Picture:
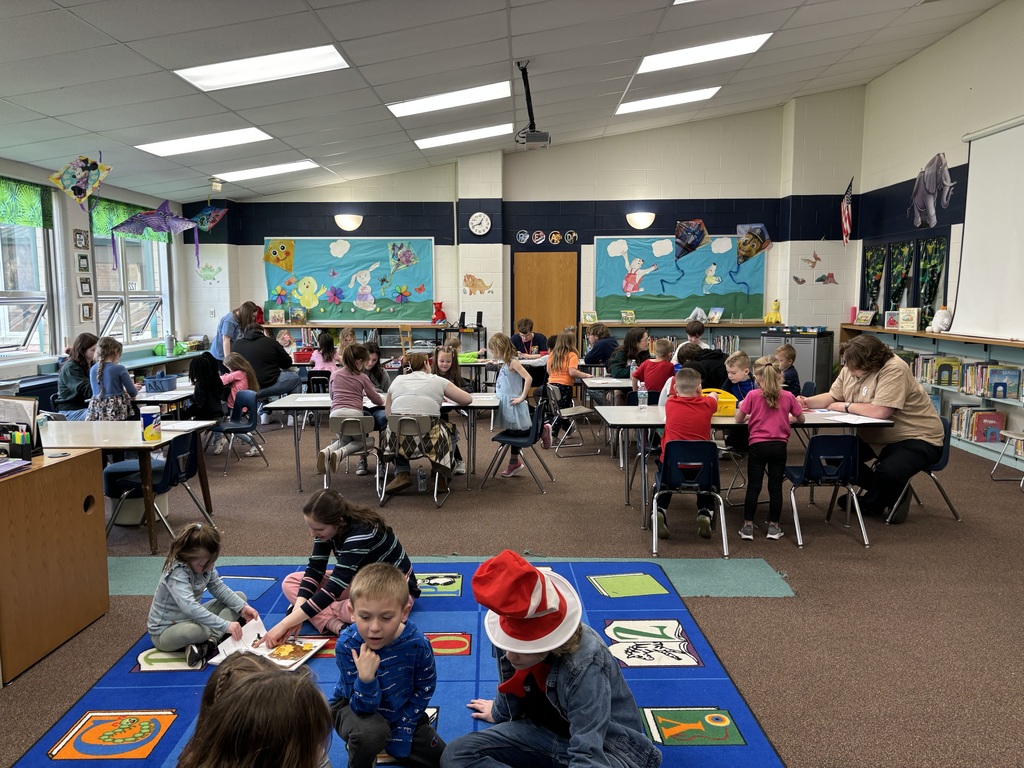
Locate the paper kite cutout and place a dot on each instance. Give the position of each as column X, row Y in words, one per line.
column 160, row 220
column 753, row 239
column 207, row 218
column 80, row 177
column 691, row 235
column 280, row 253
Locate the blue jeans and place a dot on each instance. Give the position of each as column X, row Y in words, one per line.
column 516, row 743
column 78, row 415
column 288, row 383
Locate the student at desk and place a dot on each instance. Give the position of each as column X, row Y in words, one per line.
column 876, row 383
column 73, row 387
column 113, row 390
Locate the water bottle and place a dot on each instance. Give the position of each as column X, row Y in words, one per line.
column 632, row 368
column 641, row 397
column 421, row 480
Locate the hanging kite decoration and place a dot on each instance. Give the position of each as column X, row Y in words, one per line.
column 207, row 218
column 753, row 239
column 401, row 257
column 80, row 178
column 160, row 220
column 690, row 235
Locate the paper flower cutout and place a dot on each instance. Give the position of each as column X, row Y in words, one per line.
column 402, row 294
column 335, row 294
column 279, row 294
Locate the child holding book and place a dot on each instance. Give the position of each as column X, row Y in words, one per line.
column 512, row 387
column 387, row 675
column 786, row 355
column 176, row 617
column 768, row 410
column 688, row 413
column 113, row 390
column 562, row 699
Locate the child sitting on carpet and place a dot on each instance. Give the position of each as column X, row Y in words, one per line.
column 256, row 714
column 562, row 694
column 387, row 675
column 176, row 618
column 357, row 536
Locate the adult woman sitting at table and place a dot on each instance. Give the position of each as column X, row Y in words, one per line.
column 419, row 392
column 877, row 384
column 634, row 350
column 73, row 387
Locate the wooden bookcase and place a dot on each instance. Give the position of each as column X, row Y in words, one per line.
column 426, row 331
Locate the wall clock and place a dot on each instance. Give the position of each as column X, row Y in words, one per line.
column 479, row 223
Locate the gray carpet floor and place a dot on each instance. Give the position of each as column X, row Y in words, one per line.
column 905, row 653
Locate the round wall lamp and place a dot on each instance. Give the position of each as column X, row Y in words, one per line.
column 640, row 219
column 348, row 221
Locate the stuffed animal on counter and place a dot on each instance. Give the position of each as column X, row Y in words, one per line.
column 774, row 317
column 941, row 322
column 439, row 317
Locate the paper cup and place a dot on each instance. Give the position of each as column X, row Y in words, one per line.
column 150, row 422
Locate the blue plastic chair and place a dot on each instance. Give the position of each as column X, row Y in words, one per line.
column 690, row 466
column 831, row 461
column 180, row 465
column 507, row 441
column 243, row 421
column 936, row 467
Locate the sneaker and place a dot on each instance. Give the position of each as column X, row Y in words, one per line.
column 196, row 653
column 291, row 421
column 775, row 532
column 747, row 532
column 254, row 451
column 460, row 468
column 361, row 467
column 323, row 458
column 899, row 515
column 264, row 419
column 704, row 524
column 400, row 482
column 219, row 445
column 663, row 532
column 514, row 469
column 545, row 437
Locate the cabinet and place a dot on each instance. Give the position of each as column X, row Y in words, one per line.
column 53, row 557
column 813, row 354
column 967, row 349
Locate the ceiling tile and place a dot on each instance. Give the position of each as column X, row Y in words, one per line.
column 129, row 20
column 66, row 70
column 145, row 113
column 105, row 93
column 353, row 21
column 42, row 34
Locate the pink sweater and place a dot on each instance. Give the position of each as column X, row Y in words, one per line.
column 348, row 390
column 236, row 381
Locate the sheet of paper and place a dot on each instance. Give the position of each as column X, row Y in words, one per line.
column 849, row 418
column 313, row 399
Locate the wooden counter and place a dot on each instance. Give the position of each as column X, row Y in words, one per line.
column 53, row 556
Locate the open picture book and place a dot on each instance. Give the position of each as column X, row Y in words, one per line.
column 290, row 654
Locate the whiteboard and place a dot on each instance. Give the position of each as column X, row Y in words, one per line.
column 992, row 262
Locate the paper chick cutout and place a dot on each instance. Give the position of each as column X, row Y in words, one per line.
column 80, row 177
column 160, row 220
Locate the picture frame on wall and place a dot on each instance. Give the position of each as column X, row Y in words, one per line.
column 83, row 262
column 85, row 311
column 81, row 238
column 84, row 287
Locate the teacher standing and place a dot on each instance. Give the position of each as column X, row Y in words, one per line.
column 230, row 329
column 875, row 383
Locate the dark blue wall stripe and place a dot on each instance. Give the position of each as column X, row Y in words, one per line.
column 883, row 212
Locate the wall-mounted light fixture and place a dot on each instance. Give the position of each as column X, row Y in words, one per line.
column 348, row 221
column 640, row 219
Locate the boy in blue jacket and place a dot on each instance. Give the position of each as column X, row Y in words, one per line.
column 387, row 675
column 562, row 700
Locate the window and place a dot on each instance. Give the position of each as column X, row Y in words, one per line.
column 26, row 256
column 130, row 300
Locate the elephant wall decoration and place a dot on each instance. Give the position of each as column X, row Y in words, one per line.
column 932, row 183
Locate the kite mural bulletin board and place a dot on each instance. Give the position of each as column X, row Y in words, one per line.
column 349, row 279
column 657, row 278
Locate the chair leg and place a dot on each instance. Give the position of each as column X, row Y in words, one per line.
column 999, row 460
column 437, row 484
column 542, row 462
column 945, row 496
column 721, row 526
column 492, row 468
column 860, row 517
column 796, row 518
column 201, row 508
column 533, row 474
column 117, row 508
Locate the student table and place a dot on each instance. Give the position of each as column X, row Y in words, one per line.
column 173, row 397
column 127, row 436
column 605, row 383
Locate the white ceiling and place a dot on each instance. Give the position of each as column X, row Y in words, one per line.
column 85, row 76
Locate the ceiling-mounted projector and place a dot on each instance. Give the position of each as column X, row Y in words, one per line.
column 536, row 139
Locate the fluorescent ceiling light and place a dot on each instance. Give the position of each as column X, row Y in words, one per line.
column 457, row 138
column 667, row 101
column 684, row 57
column 461, row 98
column 207, row 141
column 268, row 170
column 262, row 69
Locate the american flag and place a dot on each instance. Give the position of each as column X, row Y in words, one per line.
column 846, row 213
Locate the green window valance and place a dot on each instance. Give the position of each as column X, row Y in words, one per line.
column 25, row 204
column 107, row 214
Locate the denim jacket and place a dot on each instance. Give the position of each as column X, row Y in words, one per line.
column 588, row 690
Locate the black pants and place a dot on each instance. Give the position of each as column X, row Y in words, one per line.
column 770, row 456
column 705, row 501
column 897, row 464
column 366, row 736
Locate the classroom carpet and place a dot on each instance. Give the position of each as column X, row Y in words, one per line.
column 143, row 711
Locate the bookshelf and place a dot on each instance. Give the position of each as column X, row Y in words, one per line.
column 728, row 336
column 968, row 350
column 387, row 332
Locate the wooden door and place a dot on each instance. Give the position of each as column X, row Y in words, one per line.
column 546, row 289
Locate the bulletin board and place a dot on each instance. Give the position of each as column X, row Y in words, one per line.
column 656, row 281
column 323, row 279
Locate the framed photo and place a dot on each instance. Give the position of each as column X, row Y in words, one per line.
column 81, row 238
column 84, row 287
column 628, row 316
column 892, row 321
column 85, row 311
column 83, row 262
column 909, row 319
column 589, row 318
column 864, row 317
